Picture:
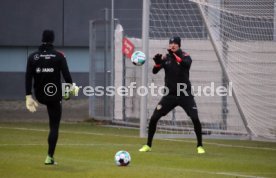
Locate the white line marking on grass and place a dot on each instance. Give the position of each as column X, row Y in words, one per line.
column 173, row 140
column 68, row 144
column 224, row 145
column 43, row 130
column 24, row 129
column 238, row 175
column 228, row 174
column 23, row 144
column 237, row 146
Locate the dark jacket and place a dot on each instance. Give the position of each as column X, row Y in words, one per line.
column 45, row 67
column 175, row 72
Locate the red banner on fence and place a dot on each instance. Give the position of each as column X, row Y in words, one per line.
column 128, row 48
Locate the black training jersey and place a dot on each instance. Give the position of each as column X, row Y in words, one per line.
column 45, row 67
column 176, row 73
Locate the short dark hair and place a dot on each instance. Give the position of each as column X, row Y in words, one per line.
column 48, row 36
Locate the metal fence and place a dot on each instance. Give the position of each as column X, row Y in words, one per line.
column 100, row 75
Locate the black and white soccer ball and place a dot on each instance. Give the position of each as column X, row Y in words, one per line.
column 138, row 58
column 122, row 158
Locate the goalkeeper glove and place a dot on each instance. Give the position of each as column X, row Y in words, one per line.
column 71, row 90
column 31, row 104
column 157, row 59
column 178, row 54
column 177, row 58
column 170, row 51
column 75, row 90
column 66, row 94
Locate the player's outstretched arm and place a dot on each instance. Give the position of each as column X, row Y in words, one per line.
column 183, row 58
column 186, row 60
column 158, row 63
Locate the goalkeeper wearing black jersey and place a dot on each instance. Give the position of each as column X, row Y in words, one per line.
column 176, row 65
column 43, row 73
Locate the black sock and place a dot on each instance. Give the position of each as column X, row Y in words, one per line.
column 198, row 132
column 54, row 112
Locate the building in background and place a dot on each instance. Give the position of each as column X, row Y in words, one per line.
column 22, row 23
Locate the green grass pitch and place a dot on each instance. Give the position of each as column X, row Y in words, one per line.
column 87, row 150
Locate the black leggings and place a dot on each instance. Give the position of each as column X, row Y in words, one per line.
column 166, row 104
column 54, row 111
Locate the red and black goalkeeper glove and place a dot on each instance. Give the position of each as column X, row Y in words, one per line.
column 178, row 59
column 178, row 55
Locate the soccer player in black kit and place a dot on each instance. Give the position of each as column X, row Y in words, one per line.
column 44, row 67
column 177, row 65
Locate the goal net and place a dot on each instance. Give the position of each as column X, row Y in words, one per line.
column 230, row 42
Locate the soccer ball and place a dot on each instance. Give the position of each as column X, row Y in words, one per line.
column 138, row 58
column 122, row 158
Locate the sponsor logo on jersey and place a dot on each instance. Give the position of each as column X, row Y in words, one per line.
column 47, row 56
column 48, row 70
column 44, row 70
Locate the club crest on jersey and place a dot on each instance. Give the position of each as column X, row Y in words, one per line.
column 167, row 62
column 159, row 106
